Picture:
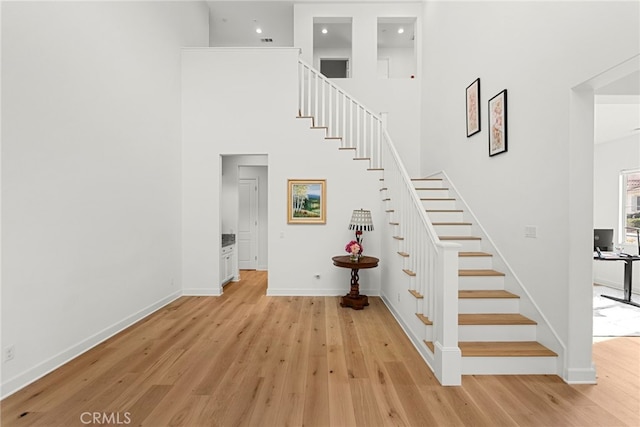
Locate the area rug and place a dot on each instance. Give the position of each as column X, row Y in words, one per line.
column 612, row 318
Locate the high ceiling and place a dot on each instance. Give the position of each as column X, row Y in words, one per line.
column 234, row 23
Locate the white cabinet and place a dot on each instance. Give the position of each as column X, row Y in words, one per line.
column 227, row 263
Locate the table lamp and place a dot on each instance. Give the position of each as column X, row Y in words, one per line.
column 360, row 221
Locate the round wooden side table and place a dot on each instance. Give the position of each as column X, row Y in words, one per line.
column 353, row 299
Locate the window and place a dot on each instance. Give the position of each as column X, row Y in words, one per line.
column 630, row 202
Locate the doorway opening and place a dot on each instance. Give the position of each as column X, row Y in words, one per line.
column 243, row 212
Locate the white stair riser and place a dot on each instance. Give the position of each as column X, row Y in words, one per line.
column 435, row 183
column 468, row 245
column 428, row 334
column 479, row 283
column 432, row 193
column 497, row 333
column 475, row 262
column 488, row 305
column 445, row 216
column 453, row 230
column 509, row 365
column 439, row 204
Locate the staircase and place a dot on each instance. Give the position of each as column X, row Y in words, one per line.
column 494, row 338
column 463, row 314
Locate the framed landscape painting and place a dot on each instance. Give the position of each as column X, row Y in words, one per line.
column 498, row 124
column 473, row 108
column 307, row 201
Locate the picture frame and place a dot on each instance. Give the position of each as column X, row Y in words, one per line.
column 473, row 107
column 306, row 201
column 497, row 116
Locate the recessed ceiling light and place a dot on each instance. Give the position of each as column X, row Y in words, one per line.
column 400, row 30
column 259, row 30
column 324, row 31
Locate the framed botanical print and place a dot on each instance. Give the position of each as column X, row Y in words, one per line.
column 473, row 108
column 498, row 123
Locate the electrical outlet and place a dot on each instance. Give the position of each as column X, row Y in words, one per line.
column 8, row 353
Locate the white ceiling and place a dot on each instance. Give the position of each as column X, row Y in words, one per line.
column 234, row 23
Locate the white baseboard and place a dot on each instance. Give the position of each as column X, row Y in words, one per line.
column 614, row 285
column 202, row 292
column 29, row 376
column 580, row 376
column 317, row 292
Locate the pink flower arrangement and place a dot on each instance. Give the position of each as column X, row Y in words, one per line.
column 353, row 248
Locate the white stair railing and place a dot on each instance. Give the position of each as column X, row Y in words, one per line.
column 340, row 113
column 434, row 263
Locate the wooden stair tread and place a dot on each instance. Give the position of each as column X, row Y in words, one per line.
column 500, row 349
column 483, row 273
column 332, row 137
column 486, row 294
column 386, row 200
column 403, row 254
column 394, row 223
column 473, row 254
column 398, row 237
column 409, row 272
column 361, row 158
column 459, row 238
column 390, row 210
column 416, row 294
column 504, row 349
column 319, row 127
column 494, row 319
column 430, row 346
column 346, row 148
column 383, row 189
column 375, row 169
column 426, row 179
column 424, row 319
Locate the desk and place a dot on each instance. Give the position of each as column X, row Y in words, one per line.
column 353, row 299
column 628, row 275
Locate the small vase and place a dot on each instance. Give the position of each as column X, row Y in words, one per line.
column 353, row 258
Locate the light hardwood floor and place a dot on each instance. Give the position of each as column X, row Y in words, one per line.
column 245, row 359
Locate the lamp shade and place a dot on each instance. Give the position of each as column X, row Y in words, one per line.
column 361, row 220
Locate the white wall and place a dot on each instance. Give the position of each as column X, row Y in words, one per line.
column 402, row 62
column 398, row 97
column 243, row 101
column 539, row 51
column 90, row 171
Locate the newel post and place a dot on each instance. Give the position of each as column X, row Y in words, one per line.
column 448, row 359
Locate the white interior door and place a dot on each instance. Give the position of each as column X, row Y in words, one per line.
column 248, row 224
